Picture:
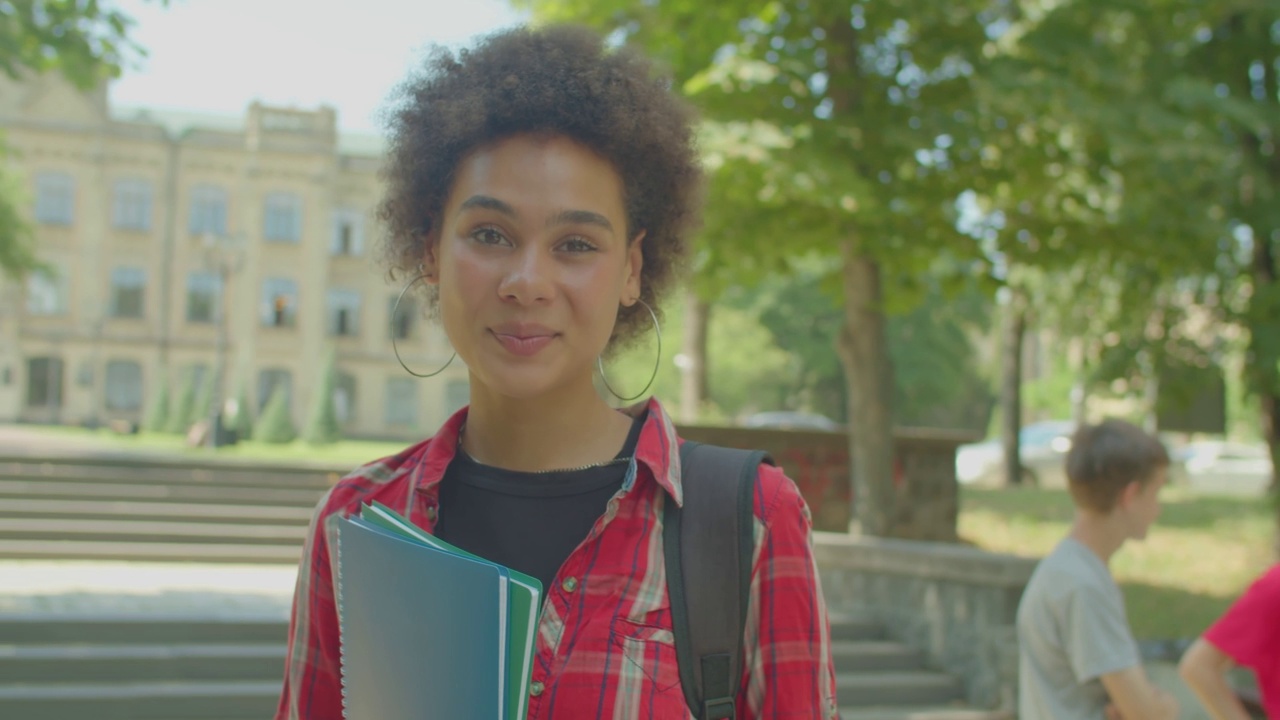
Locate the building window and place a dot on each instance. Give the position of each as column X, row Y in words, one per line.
column 344, row 312
column 47, row 292
column 457, row 393
column 402, row 316
column 132, row 208
column 124, row 385
column 282, row 218
column 128, row 291
column 402, row 402
column 344, row 398
column 269, row 380
column 279, row 302
column 208, row 211
column 348, row 233
column 204, row 295
column 44, row 382
column 55, row 198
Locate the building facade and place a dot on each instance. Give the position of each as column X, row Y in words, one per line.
column 180, row 245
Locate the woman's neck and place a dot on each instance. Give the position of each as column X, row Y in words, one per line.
column 573, row 429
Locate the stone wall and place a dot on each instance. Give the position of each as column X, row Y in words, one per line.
column 926, row 501
column 955, row 603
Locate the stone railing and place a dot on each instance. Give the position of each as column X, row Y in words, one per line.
column 955, row 603
column 924, row 475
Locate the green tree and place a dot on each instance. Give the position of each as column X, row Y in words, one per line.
column 275, row 426
column 1236, row 68
column 157, row 415
column 242, row 422
column 836, row 128
column 203, row 404
column 323, row 427
column 185, row 406
column 84, row 41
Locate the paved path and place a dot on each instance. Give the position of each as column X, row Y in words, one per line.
column 132, row 587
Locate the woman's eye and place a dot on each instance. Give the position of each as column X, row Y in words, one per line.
column 577, row 245
column 488, row 236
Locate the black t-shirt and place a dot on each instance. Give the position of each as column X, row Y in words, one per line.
column 526, row 521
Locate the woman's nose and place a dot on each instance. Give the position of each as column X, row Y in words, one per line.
column 529, row 279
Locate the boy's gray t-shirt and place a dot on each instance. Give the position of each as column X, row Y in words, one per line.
column 1072, row 630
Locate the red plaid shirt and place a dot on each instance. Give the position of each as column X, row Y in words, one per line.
column 605, row 646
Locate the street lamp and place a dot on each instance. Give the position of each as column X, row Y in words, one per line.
column 224, row 256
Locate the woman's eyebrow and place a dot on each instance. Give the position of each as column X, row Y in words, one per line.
column 564, row 217
column 488, row 203
column 580, row 217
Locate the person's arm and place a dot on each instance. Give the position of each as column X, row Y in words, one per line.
column 1204, row 668
column 1135, row 698
column 312, row 670
column 789, row 673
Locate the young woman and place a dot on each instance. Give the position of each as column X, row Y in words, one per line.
column 542, row 186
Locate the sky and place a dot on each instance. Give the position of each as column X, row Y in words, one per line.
column 217, row 56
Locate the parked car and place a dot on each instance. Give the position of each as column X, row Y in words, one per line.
column 790, row 420
column 1228, row 467
column 1043, row 448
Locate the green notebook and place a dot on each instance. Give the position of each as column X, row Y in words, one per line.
column 525, row 595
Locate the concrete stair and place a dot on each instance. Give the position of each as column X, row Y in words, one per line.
column 145, row 509
column 878, row 679
column 180, row 667
column 65, row 667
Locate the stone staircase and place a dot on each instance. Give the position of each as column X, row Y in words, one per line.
column 63, row 667
column 142, row 509
column 69, row 667
column 189, row 667
column 878, row 679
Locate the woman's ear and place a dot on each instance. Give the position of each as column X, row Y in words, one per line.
column 430, row 266
column 635, row 266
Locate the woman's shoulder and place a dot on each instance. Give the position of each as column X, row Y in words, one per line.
column 778, row 499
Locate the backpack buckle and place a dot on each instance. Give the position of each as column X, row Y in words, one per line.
column 718, row 709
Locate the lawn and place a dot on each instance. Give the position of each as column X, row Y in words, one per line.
column 1199, row 556
column 345, row 453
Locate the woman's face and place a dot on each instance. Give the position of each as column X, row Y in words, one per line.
column 532, row 261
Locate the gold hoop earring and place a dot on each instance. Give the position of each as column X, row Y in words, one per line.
column 657, row 331
column 395, row 348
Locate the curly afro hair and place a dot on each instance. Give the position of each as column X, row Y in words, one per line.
column 556, row 80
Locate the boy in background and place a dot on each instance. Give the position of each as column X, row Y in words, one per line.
column 1077, row 655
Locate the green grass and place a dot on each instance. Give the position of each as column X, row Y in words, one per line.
column 1199, row 556
column 345, row 453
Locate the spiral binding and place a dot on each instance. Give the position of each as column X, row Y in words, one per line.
column 342, row 646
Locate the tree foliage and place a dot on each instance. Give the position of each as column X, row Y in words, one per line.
column 322, row 426
column 275, row 426
column 86, row 41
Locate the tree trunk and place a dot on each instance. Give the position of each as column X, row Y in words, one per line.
column 1015, row 329
column 1080, row 386
column 868, row 372
column 693, row 371
column 1266, row 366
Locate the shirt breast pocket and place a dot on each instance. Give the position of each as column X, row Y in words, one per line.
column 651, row 677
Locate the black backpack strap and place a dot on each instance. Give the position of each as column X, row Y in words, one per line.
column 708, row 545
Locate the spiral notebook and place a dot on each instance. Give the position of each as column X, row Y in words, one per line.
column 427, row 629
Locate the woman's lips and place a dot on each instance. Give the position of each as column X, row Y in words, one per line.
column 523, row 345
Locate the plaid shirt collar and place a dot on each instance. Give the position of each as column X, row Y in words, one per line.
column 656, row 449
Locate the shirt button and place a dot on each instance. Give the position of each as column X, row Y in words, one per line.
column 570, row 584
column 432, row 513
column 536, row 688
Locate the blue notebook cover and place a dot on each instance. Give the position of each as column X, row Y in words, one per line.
column 423, row 631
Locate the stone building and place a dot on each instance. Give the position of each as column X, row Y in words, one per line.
column 161, row 226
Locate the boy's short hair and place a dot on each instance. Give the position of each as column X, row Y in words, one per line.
column 1106, row 457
